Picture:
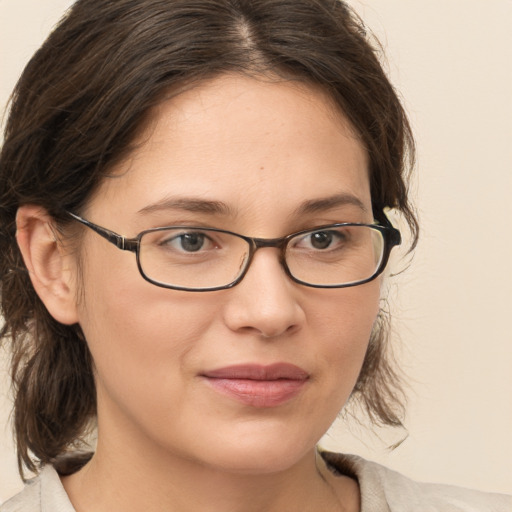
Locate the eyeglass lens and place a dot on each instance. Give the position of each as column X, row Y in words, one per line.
column 202, row 258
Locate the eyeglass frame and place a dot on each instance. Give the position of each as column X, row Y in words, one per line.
column 390, row 235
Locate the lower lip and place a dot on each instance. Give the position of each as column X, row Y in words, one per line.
column 258, row 393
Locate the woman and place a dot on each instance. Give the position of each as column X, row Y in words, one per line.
column 245, row 152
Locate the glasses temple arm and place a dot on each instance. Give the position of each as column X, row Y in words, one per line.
column 121, row 242
column 395, row 238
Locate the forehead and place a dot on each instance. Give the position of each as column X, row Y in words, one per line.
column 261, row 147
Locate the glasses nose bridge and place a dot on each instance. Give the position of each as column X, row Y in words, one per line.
column 259, row 243
column 262, row 243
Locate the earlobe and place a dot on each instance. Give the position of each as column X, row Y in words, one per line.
column 47, row 262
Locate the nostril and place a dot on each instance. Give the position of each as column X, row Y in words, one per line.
column 291, row 329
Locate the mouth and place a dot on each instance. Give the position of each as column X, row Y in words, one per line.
column 258, row 385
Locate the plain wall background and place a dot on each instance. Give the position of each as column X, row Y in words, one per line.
column 452, row 62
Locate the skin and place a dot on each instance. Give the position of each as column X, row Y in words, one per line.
column 166, row 439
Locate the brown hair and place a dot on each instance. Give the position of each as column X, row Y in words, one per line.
column 75, row 112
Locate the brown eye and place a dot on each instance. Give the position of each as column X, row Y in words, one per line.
column 321, row 239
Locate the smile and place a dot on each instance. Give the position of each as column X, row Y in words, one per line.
column 257, row 385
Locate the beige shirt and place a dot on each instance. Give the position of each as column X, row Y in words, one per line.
column 382, row 490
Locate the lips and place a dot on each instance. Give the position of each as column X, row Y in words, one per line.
column 258, row 385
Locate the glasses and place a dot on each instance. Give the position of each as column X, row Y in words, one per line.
column 198, row 259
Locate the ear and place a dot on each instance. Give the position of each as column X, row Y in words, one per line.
column 50, row 267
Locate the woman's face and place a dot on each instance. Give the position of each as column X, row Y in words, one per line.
column 174, row 369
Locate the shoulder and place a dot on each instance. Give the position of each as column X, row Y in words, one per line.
column 28, row 500
column 385, row 490
column 44, row 493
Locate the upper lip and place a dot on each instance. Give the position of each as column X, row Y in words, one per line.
column 274, row 371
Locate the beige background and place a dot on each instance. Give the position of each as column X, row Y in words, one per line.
column 452, row 62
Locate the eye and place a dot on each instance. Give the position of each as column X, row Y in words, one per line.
column 321, row 240
column 189, row 242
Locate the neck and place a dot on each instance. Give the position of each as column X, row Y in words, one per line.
column 125, row 481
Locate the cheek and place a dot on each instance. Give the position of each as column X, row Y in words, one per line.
column 120, row 308
column 347, row 314
column 344, row 330
column 140, row 336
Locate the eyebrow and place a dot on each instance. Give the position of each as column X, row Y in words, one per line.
column 330, row 202
column 189, row 204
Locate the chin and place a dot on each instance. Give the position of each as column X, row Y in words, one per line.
column 257, row 454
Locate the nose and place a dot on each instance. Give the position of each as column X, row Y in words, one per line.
column 265, row 302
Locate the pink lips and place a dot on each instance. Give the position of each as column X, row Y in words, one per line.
column 257, row 385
